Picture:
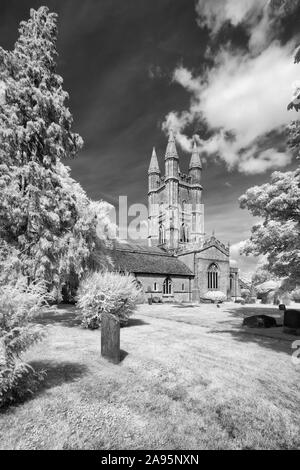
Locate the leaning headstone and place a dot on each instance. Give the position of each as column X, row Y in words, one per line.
column 110, row 338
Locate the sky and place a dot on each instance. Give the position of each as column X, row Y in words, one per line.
column 220, row 69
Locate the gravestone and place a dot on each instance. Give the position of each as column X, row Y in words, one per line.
column 110, row 338
column 259, row 321
column 291, row 322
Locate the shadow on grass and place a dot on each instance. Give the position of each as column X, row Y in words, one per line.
column 55, row 374
column 58, row 372
column 135, row 322
column 264, row 337
column 123, row 354
column 63, row 315
column 261, row 336
column 185, row 306
column 247, row 311
column 69, row 315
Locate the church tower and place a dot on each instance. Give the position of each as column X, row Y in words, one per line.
column 176, row 219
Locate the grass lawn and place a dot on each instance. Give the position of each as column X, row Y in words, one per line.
column 190, row 378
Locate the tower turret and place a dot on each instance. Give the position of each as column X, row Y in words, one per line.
column 171, row 191
column 153, row 172
column 171, row 158
column 153, row 185
column 195, row 167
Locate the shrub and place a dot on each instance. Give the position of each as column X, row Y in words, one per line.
column 296, row 295
column 239, row 300
column 19, row 302
column 245, row 293
column 214, row 296
column 107, row 292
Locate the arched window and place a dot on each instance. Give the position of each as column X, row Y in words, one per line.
column 213, row 277
column 187, row 234
column 161, row 234
column 155, row 286
column 184, row 233
column 167, row 286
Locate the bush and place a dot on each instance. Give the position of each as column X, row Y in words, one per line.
column 245, row 293
column 239, row 300
column 19, row 302
column 296, row 295
column 107, row 292
column 214, row 296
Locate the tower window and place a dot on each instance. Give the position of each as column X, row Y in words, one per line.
column 213, row 277
column 161, row 234
column 194, row 222
column 184, row 235
column 167, row 286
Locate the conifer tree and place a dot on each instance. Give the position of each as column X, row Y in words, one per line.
column 41, row 207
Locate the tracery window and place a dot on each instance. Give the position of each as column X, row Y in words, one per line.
column 213, row 276
column 167, row 286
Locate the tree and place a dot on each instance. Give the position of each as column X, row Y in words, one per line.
column 278, row 236
column 261, row 275
column 42, row 210
column 19, row 302
column 294, row 127
column 278, row 204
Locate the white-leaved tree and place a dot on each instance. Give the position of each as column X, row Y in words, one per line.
column 43, row 212
column 49, row 228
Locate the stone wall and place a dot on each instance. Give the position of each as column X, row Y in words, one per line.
column 203, row 260
column 199, row 263
column 181, row 287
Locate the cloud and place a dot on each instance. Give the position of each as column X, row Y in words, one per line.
column 243, row 96
column 214, row 14
column 261, row 18
column 247, row 264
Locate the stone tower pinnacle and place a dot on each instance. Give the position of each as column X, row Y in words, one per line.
column 195, row 158
column 195, row 166
column 171, row 151
column 153, row 167
column 153, row 173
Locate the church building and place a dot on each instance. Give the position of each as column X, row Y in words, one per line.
column 179, row 263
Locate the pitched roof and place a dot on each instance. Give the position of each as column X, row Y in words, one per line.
column 135, row 258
